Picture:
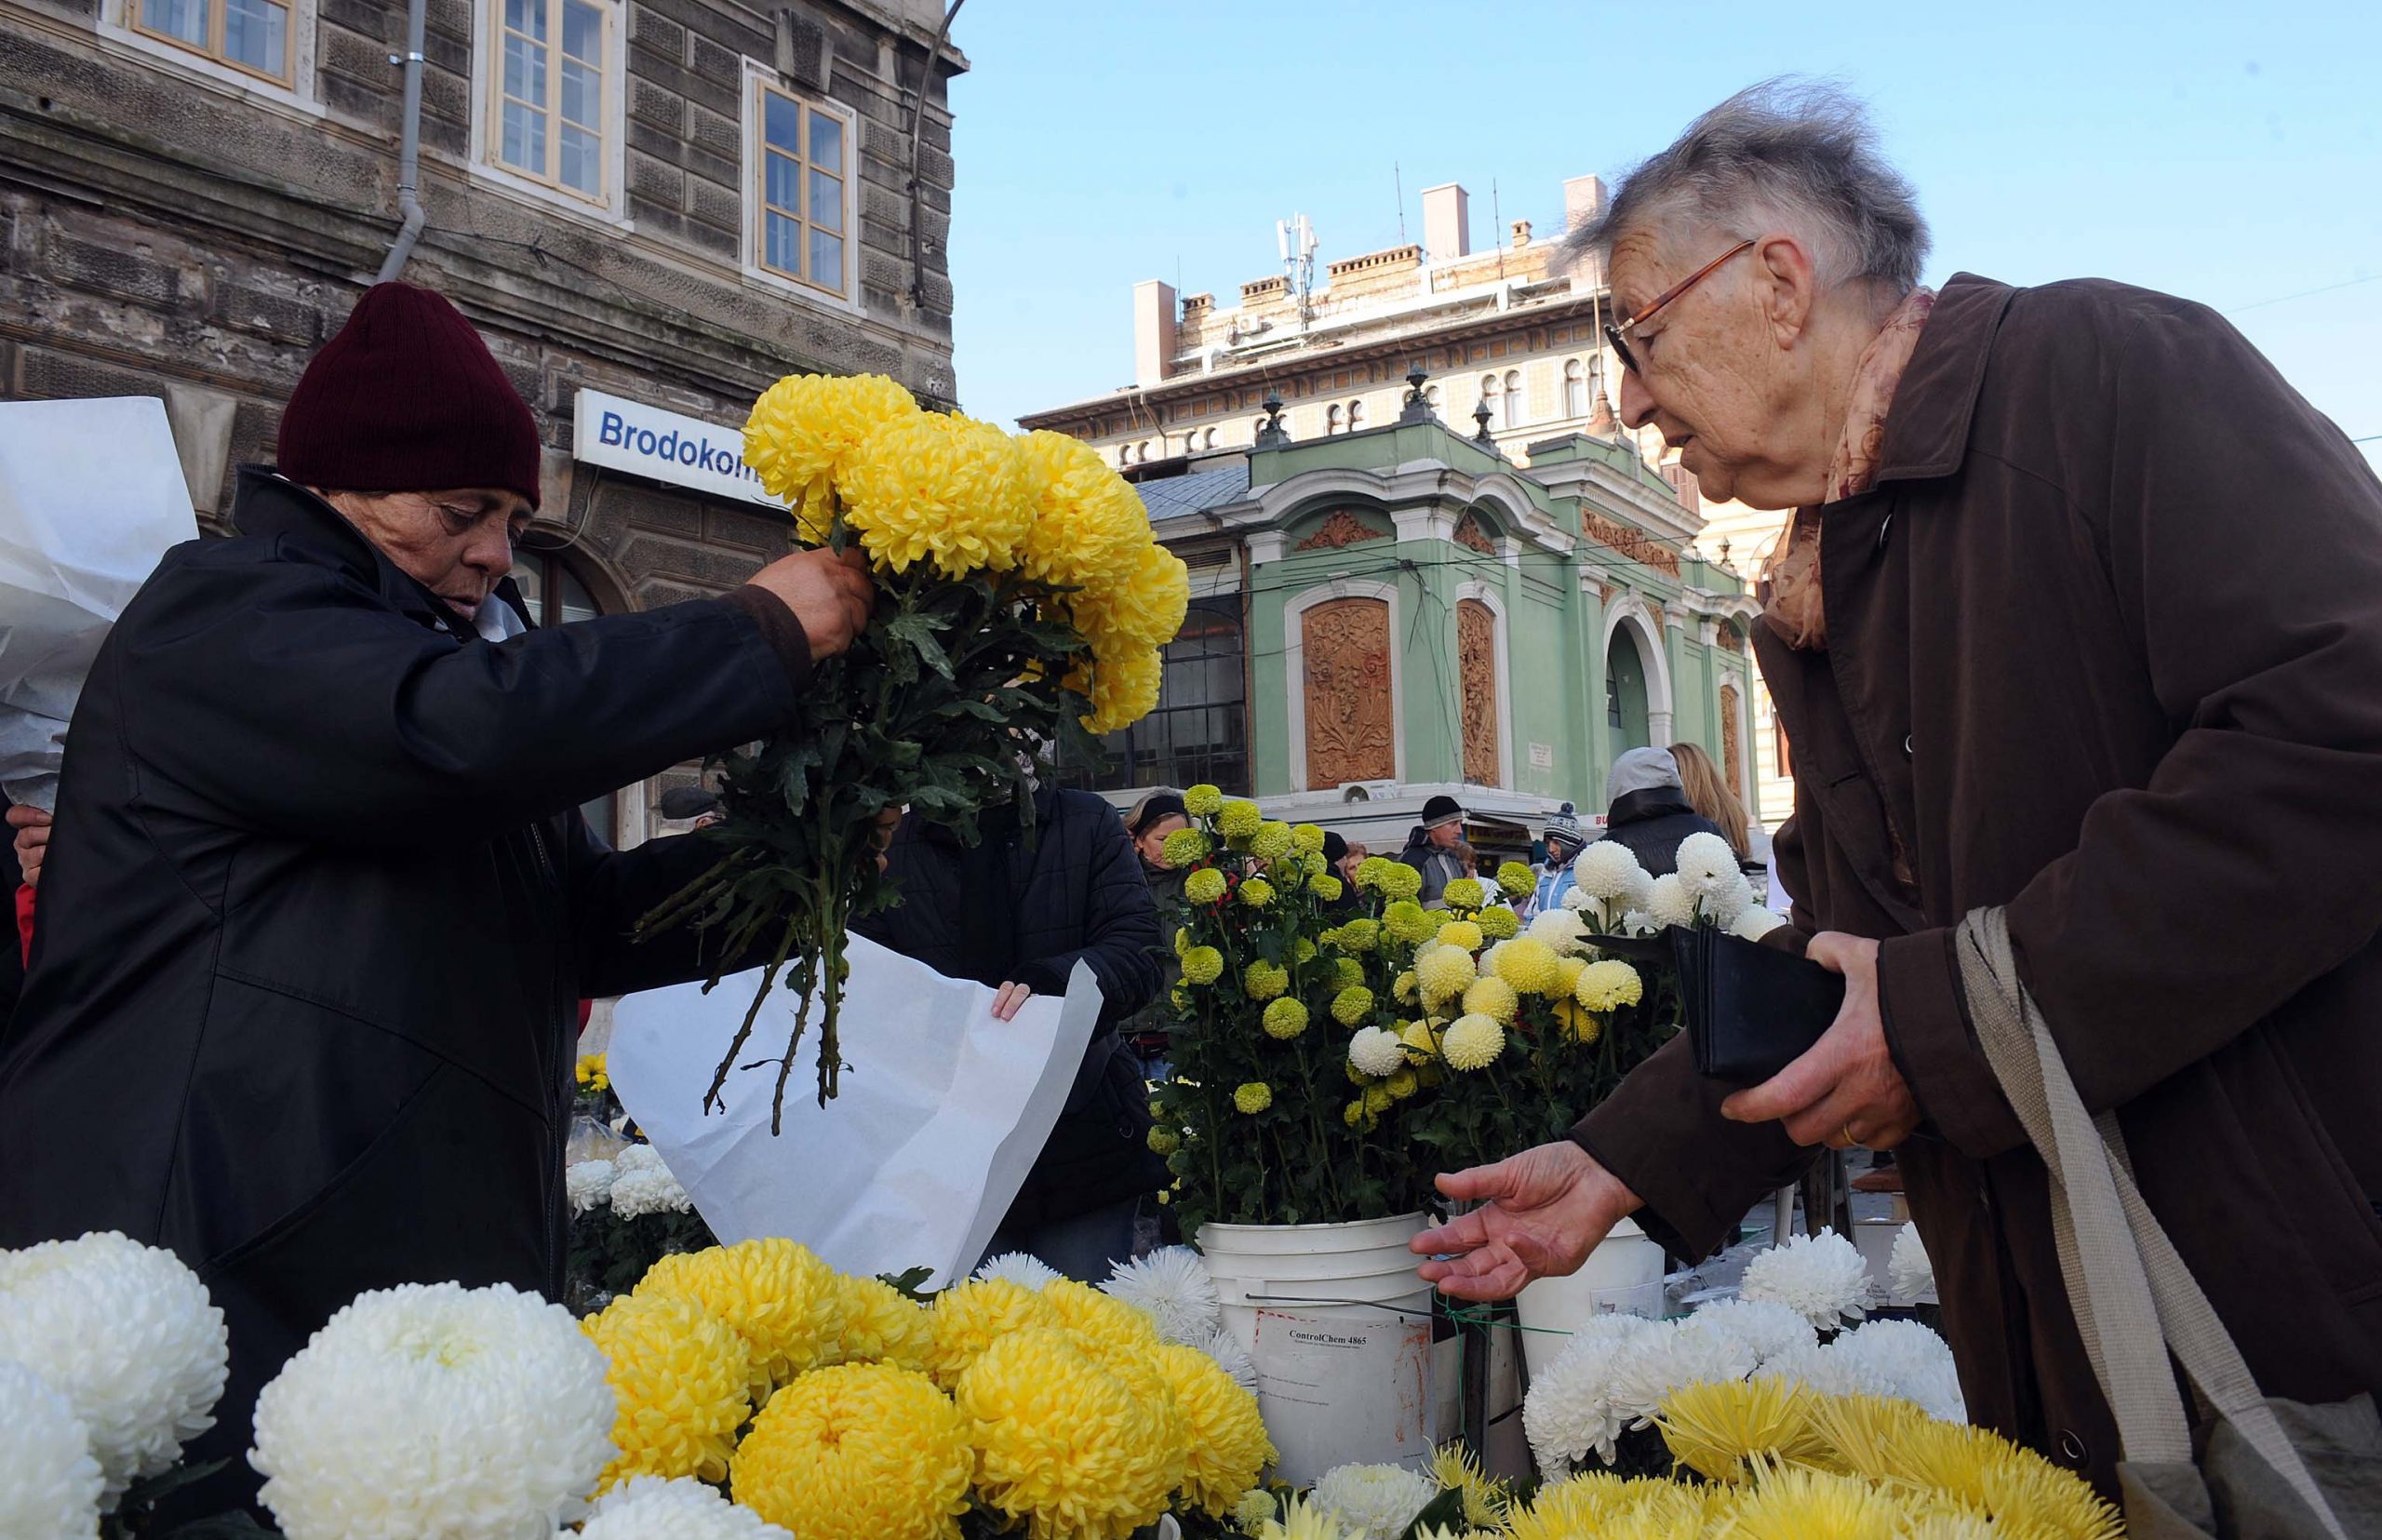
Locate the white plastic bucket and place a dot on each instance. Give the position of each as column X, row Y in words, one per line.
column 1338, row 1324
column 1623, row 1276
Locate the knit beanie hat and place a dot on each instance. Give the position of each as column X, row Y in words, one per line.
column 407, row 398
column 1565, row 826
column 1441, row 810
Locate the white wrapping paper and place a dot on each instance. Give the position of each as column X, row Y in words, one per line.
column 91, row 494
column 940, row 1114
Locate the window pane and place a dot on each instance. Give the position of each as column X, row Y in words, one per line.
column 525, row 72
column 529, row 16
column 577, row 604
column 530, row 577
column 827, row 143
column 782, row 124
column 784, row 182
column 182, row 19
column 582, row 161
column 253, row 34
column 781, row 243
column 583, row 33
column 826, row 201
column 524, row 137
column 827, row 260
column 582, row 93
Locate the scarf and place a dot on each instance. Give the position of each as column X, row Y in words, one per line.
column 1789, row 588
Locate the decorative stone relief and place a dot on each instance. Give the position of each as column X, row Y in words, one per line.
column 1638, row 545
column 1469, row 533
column 1342, row 528
column 1349, row 723
column 1476, row 646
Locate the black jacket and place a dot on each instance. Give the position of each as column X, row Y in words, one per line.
column 1006, row 912
column 1652, row 823
column 318, row 913
column 1438, row 866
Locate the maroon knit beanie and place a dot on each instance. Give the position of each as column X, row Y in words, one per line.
column 407, row 398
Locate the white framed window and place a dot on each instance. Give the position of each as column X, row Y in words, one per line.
column 1576, row 389
column 551, row 82
column 1332, row 418
column 1356, row 416
column 801, row 190
column 260, row 47
column 1513, row 399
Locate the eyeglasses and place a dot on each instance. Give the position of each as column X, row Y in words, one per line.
column 1618, row 335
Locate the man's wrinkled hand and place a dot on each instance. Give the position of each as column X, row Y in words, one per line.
column 32, row 841
column 829, row 594
column 1844, row 1090
column 1546, row 1209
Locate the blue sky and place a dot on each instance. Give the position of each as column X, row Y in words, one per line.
column 2228, row 153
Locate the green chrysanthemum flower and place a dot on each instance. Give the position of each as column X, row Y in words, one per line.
column 1204, row 800
column 1239, row 819
column 1186, row 848
column 1271, row 842
column 1285, row 1018
column 1464, row 892
column 1204, row 886
column 1202, row 965
column 1352, row 1005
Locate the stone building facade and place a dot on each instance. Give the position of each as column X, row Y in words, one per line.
column 650, row 209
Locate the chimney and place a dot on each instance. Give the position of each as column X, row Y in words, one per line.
column 1582, row 198
column 1153, row 331
column 1521, row 233
column 1447, row 223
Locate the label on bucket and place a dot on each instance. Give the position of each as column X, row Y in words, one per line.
column 1333, row 1391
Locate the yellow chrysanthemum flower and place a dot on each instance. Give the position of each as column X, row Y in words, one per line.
column 1186, row 848
column 1302, row 1520
column 1517, row 880
column 1265, row 980
column 1259, row 1506
column 1813, row 1504
column 1302, row 949
column 1729, row 1430
column 1099, row 1318
column 1357, row 1117
column 1498, row 923
column 1285, row 1018
column 1325, row 887
column 1420, row 1037
column 1492, row 998
column 1087, row 524
column 1124, row 680
column 1257, row 892
column 1464, row 892
column 1360, row 935
column 1578, row 1024
column 859, row 1451
column 1444, row 974
column 1567, row 974
column 1404, row 989
column 1143, row 601
column 1401, row 1084
column 1474, row 1042
column 1529, row 965
column 781, row 1299
column 1409, row 921
column 803, row 430
column 938, row 489
column 966, row 1320
column 1372, row 870
column 1377, row 1099
column 1202, row 965
column 1400, row 881
column 1064, row 1443
column 1204, row 800
column 1162, row 1140
column 1486, row 1497
column 1204, row 886
column 1253, row 1097
column 1307, row 836
column 1239, row 819
column 1347, row 973
column 882, row 1325
column 681, row 1379
column 1228, row 1446
column 1608, row 985
column 1271, row 842
column 1462, row 934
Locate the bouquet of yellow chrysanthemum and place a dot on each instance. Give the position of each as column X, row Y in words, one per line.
column 1021, row 606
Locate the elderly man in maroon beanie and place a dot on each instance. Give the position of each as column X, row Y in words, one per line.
column 319, row 906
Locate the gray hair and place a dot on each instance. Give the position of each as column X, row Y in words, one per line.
column 1788, row 153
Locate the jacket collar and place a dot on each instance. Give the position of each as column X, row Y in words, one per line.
column 1927, row 427
column 269, row 505
column 1637, row 806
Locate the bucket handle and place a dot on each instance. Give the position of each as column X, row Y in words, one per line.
column 1403, row 1314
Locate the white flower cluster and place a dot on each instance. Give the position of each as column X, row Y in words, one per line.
column 126, row 1335
column 1669, row 902
column 1910, row 1277
column 1018, row 1267
column 1377, row 1052
column 435, row 1410
column 49, row 1484
column 647, row 1507
column 1172, row 1287
column 1560, row 928
column 1607, row 870
column 1568, row 1415
column 1374, row 1502
column 635, row 1182
column 1896, row 1358
column 1231, row 1357
column 1821, row 1277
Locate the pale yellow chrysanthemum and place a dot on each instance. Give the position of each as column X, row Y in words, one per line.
column 1486, row 1497
column 1461, row 933
column 1811, row 1505
column 859, row 1451
column 881, row 1325
column 1143, row 601
column 1601, row 1504
column 1404, row 989
column 1529, row 965
column 1302, row 1520
column 1465, row 893
column 1567, row 974
column 1420, row 1037
column 1444, row 974
column 1729, row 1429
column 781, row 1299
column 1063, row 1442
column 1239, row 819
column 1204, row 800
column 679, row 1377
column 1087, row 524
column 938, row 489
column 1608, row 985
column 966, row 1320
column 803, row 430
column 1578, row 1025
column 1474, row 1042
column 1972, row 1466
column 1258, row 1507
column 1492, row 998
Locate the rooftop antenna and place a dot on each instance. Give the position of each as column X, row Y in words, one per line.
column 1497, row 223
column 1297, row 238
column 1398, row 179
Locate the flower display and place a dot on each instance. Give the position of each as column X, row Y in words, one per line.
column 1669, row 902
column 126, row 1335
column 49, row 1485
column 1300, row 1520
column 1226, row 1349
column 1265, row 980
column 1253, row 1097
column 1911, row 1363
column 1529, row 965
column 1517, row 880
column 1353, row 1004
column 1325, row 887
column 1408, row 922
column 1462, row 935
column 1568, row 1414
column 775, row 1295
column 1064, row 1444
column 1606, row 870
column 649, row 1508
column 806, row 428
column 1239, row 819
column 1704, row 862
column 1257, row 892
column 1271, row 842
column 1259, row 1507
column 1608, row 985
column 1172, row 1288
column 434, row 1410
column 1498, row 923
column 1771, row 1330
column 1445, row 974
column 1821, row 1277
column 1203, row 802
column 680, row 1379
column 1377, row 1502
column 588, row 1184
column 1474, row 1042
column 647, row 1189
column 1561, row 929
column 857, row 1452
column 1188, row 848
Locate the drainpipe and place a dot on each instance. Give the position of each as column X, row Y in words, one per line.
column 408, row 148
column 917, row 144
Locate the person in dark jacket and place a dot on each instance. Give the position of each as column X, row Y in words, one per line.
column 319, row 908
column 1432, row 848
column 1152, row 819
column 1647, row 810
column 1342, row 858
column 1016, row 914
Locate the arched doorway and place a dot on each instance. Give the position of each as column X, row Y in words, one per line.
column 556, row 595
column 1625, row 693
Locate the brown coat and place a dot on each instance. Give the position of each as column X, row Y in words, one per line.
column 2105, row 646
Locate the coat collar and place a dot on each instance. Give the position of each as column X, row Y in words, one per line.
column 1637, row 806
column 269, row 505
column 1927, row 427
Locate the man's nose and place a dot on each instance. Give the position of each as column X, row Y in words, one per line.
column 1637, row 406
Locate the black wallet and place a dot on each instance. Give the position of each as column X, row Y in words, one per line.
column 1751, row 1009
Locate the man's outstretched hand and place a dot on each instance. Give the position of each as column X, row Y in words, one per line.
column 1546, row 1209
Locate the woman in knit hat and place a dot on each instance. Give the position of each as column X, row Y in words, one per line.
column 319, row 908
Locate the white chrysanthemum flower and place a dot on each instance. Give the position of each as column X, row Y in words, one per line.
column 435, row 1410
column 1669, row 902
column 647, row 1507
column 1377, row 1502
column 1768, row 1328
column 638, row 1158
column 1821, row 1277
column 1754, row 923
column 1230, row 1356
column 1637, row 922
column 1568, row 1414
column 1021, row 1268
column 648, row 1190
column 127, row 1333
column 1172, row 1287
column 1376, row 1052
column 1607, row 869
column 589, row 1183
column 49, row 1484
column 1560, row 928
column 1728, row 902
column 1909, row 1274
column 1913, row 1360
column 1652, row 1366
column 1704, row 863
column 1823, row 1370
column 1576, row 898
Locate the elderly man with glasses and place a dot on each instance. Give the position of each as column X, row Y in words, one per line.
column 2079, row 617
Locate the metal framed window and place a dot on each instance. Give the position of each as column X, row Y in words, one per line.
column 252, row 37
column 801, row 211
column 549, row 90
column 1199, row 729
